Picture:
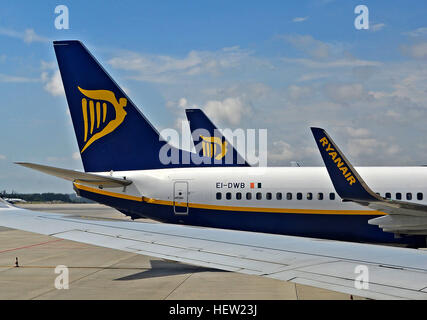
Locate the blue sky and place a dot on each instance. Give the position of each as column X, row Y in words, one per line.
column 279, row 65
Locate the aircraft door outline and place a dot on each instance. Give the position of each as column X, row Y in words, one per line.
column 180, row 197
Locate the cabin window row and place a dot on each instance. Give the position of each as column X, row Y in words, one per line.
column 277, row 196
column 308, row 196
column 399, row 196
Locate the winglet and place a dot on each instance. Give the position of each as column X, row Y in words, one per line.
column 347, row 182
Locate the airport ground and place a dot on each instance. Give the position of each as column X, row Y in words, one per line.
column 102, row 273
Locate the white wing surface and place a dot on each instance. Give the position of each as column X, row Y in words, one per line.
column 393, row 273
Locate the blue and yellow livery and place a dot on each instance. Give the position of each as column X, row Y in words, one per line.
column 111, row 131
column 120, row 153
column 209, row 141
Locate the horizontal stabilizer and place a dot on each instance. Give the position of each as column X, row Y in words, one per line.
column 77, row 176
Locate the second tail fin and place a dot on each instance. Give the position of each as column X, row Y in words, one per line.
column 199, row 122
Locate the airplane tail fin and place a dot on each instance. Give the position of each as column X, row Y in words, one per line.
column 204, row 132
column 347, row 182
column 112, row 134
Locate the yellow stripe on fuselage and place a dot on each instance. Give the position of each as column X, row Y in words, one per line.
column 107, row 193
column 226, row 208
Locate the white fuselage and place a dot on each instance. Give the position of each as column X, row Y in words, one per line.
column 205, row 183
column 286, row 200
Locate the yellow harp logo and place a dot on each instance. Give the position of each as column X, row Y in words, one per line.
column 214, row 147
column 96, row 97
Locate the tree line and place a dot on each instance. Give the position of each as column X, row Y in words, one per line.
column 45, row 197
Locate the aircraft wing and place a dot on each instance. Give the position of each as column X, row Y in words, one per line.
column 76, row 176
column 393, row 273
column 403, row 217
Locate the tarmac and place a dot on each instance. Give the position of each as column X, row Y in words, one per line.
column 102, row 273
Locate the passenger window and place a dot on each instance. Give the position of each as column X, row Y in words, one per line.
column 332, row 196
column 420, row 196
column 409, row 196
column 268, row 196
column 258, row 195
column 228, row 195
column 248, row 196
column 279, row 196
column 320, row 196
column 309, row 196
column 238, row 196
column 289, row 196
column 218, row 195
column 299, row 196
column 388, row 195
column 398, row 196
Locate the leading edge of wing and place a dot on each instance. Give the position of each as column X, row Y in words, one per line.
column 394, row 272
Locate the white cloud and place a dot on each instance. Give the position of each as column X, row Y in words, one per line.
column 370, row 146
column 377, row 27
column 357, row 132
column 53, row 83
column 337, row 63
column 229, row 110
column 309, row 45
column 182, row 103
column 16, row 79
column 167, row 69
column 45, row 65
column 28, row 35
column 417, row 51
column 409, row 84
column 299, row 92
column 362, row 146
column 281, row 151
column 177, row 107
column 345, row 93
column 417, row 32
column 54, row 159
column 20, row 79
column 312, row 76
column 366, row 102
column 300, row 19
column 323, row 55
column 31, row 36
